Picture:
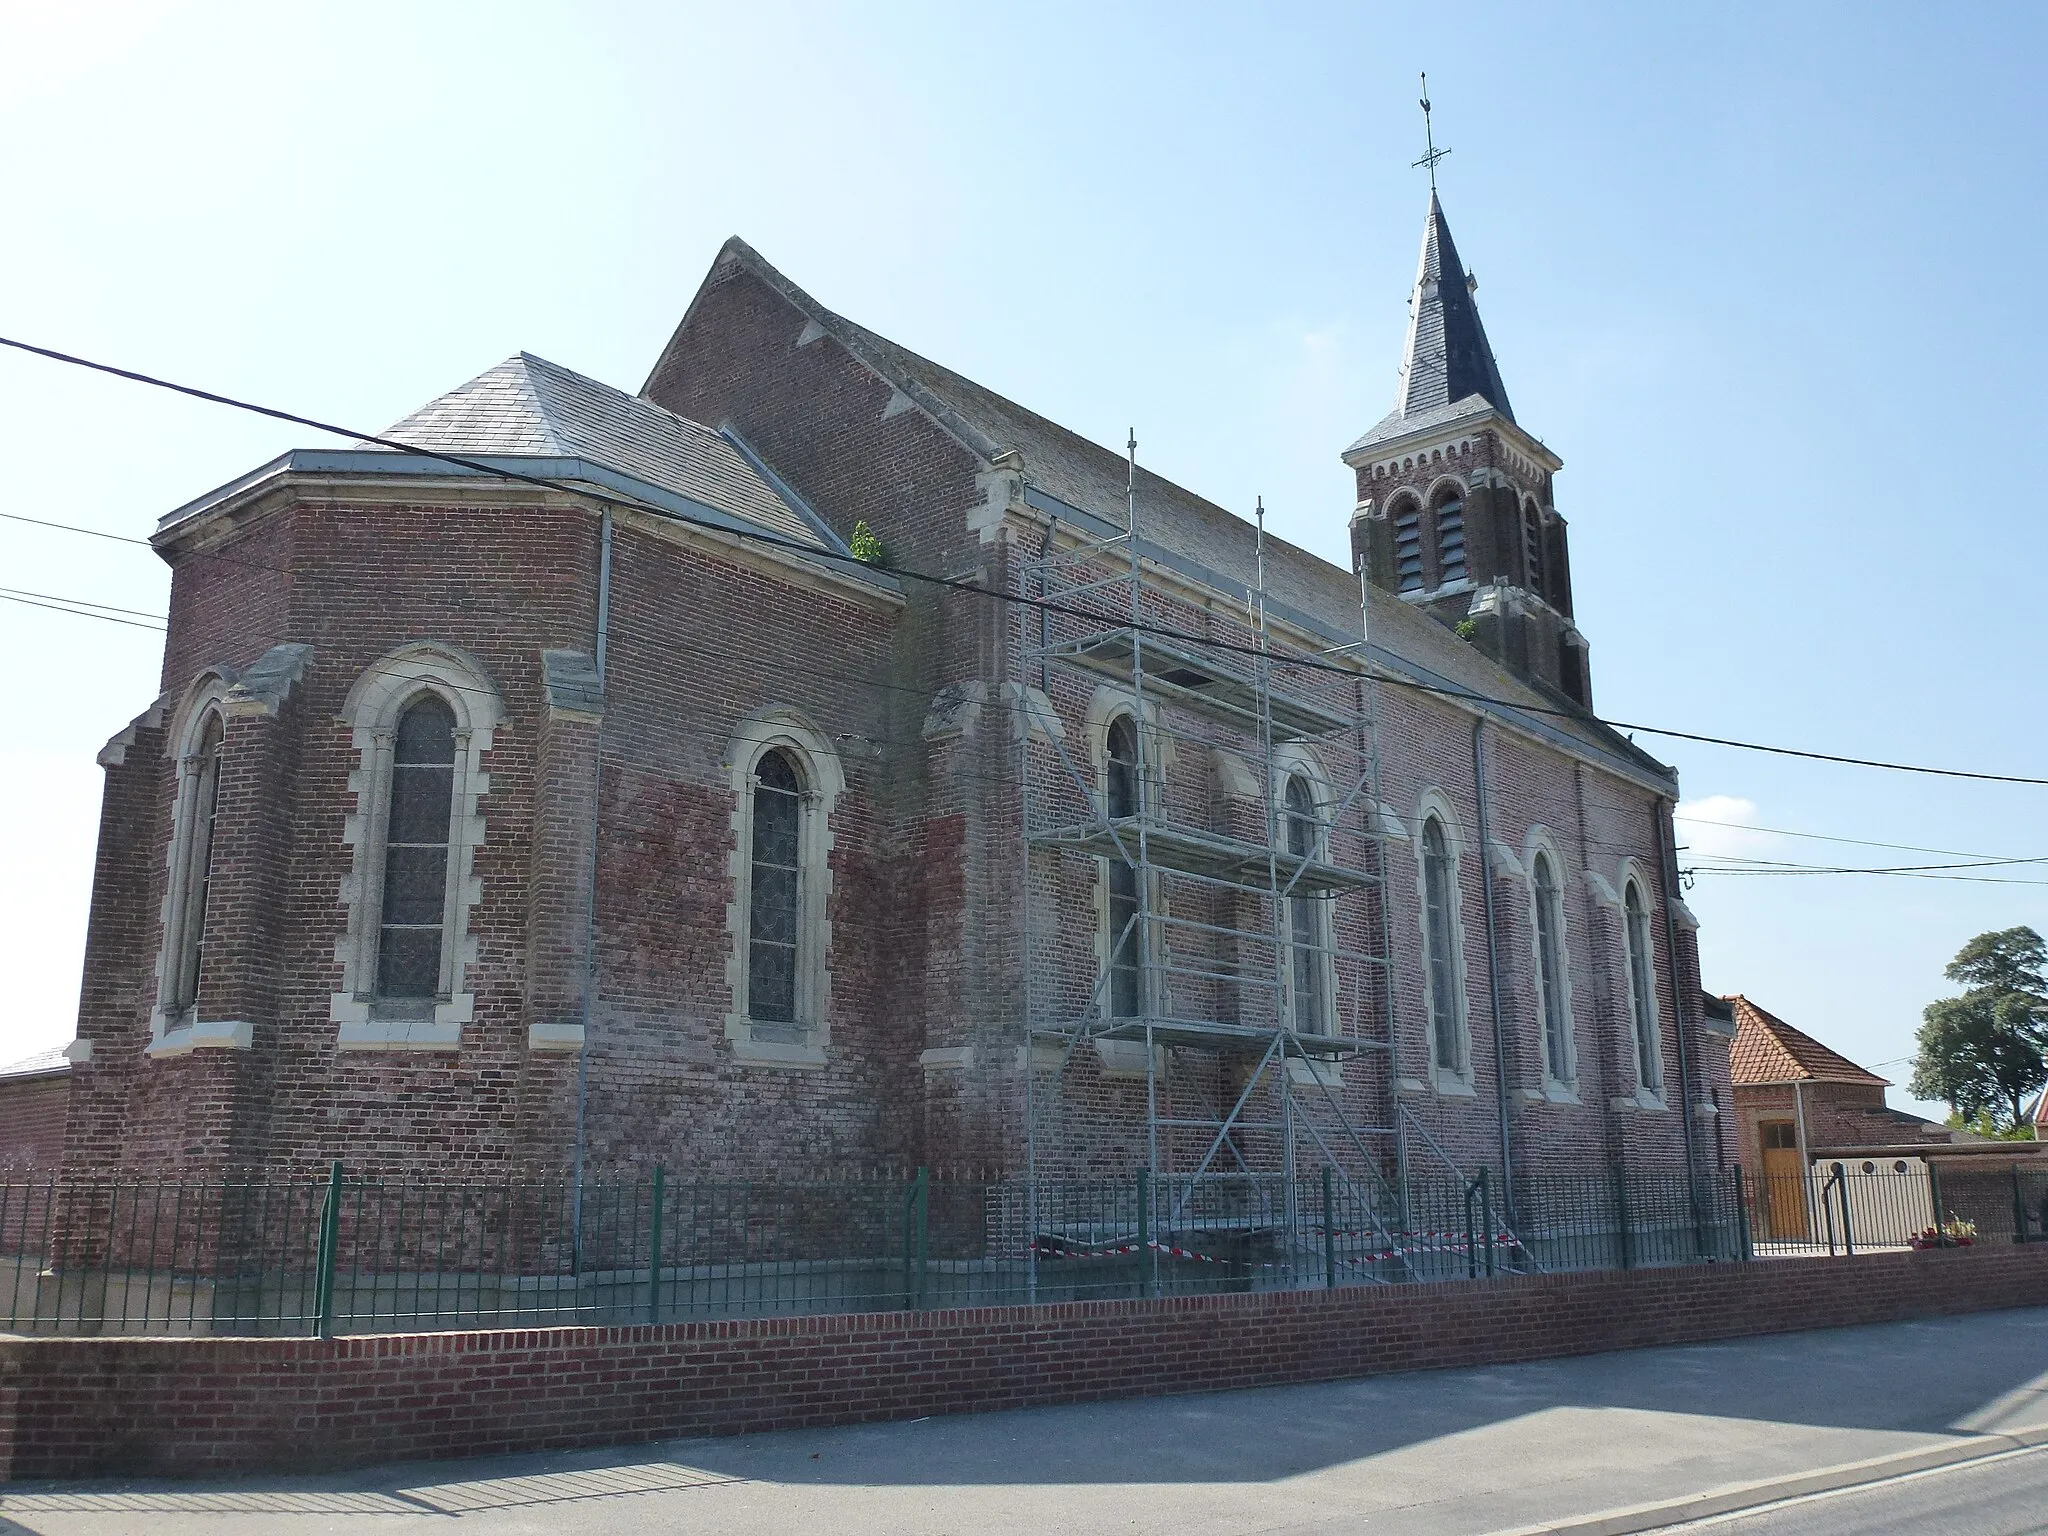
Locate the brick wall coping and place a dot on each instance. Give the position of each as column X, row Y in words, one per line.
column 191, row 1406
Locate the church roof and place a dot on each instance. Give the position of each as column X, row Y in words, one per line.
column 1447, row 368
column 1210, row 543
column 50, row 1063
column 530, row 407
column 1768, row 1050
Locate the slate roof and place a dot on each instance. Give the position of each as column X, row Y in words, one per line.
column 530, row 407
column 43, row 1064
column 1447, row 366
column 1087, row 476
column 1768, row 1050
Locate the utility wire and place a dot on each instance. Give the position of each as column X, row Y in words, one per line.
column 63, row 605
column 814, row 552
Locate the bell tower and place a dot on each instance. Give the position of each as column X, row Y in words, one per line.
column 1454, row 510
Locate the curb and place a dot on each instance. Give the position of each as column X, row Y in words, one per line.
column 1735, row 1498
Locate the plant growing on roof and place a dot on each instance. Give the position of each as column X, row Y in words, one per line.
column 864, row 546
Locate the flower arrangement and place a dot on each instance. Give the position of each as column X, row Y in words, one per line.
column 1953, row 1233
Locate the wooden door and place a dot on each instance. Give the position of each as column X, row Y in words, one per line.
column 1784, row 1202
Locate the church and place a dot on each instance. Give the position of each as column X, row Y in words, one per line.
column 817, row 761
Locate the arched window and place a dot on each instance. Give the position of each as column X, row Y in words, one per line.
column 1450, row 537
column 1408, row 547
column 192, row 879
column 1307, row 914
column 413, row 923
column 1439, row 947
column 1642, row 989
column 1550, row 973
column 774, row 898
column 1532, row 546
column 1123, row 797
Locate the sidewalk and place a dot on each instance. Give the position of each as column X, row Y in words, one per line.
column 1453, row 1453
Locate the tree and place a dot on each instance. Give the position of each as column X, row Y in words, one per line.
column 1986, row 1051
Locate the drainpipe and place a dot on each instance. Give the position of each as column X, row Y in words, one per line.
column 1500, row 1045
column 604, row 609
column 1667, row 856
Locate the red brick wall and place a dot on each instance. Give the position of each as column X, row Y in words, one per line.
column 185, row 1407
column 32, row 1121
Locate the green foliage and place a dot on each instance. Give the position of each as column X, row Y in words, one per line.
column 1467, row 628
column 864, row 545
column 1982, row 1124
column 1985, row 1052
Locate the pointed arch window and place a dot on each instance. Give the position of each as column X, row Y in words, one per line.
column 1440, row 949
column 412, row 928
column 1450, row 538
column 193, row 875
column 1532, row 546
column 1408, row 547
column 1123, row 798
column 1642, row 989
column 1308, row 936
column 1550, row 970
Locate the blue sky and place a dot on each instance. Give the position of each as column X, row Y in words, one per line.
column 1765, row 276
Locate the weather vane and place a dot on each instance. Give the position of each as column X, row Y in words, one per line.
column 1432, row 154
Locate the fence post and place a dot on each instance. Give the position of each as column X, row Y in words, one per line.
column 2019, row 1209
column 1148, row 1268
column 654, row 1214
column 330, row 1240
column 1934, row 1191
column 1621, row 1215
column 1486, row 1218
column 1329, row 1233
column 1848, row 1237
column 1747, row 1251
column 1471, row 1244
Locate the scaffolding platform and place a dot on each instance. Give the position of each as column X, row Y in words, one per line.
column 1225, row 1039
column 1179, row 675
column 1212, row 856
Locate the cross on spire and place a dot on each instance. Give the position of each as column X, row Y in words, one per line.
column 1431, row 155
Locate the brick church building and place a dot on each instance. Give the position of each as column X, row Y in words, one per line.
column 610, row 779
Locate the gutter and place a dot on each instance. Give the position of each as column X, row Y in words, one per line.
column 1667, row 857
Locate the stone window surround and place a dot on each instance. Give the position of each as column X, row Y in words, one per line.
column 1110, row 703
column 1294, row 760
column 1458, row 1083
column 187, row 1032
column 801, row 1046
column 379, row 697
column 1614, row 897
column 1557, row 1090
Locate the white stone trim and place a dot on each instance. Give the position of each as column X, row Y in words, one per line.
column 801, row 1045
column 175, row 1028
column 78, row 1052
column 1649, row 1096
column 947, row 1058
column 380, row 695
column 1110, row 703
column 1565, row 1089
column 545, row 1035
column 1456, row 1082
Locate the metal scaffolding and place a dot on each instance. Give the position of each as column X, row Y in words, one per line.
column 1241, row 935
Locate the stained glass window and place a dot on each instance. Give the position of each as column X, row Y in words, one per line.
column 412, row 930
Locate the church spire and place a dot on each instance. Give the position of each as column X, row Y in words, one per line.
column 1447, row 357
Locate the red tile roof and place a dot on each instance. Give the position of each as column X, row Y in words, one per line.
column 1768, row 1050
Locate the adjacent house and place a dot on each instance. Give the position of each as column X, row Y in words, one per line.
column 34, row 1094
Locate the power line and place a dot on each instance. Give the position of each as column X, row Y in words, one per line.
column 1821, row 837
column 815, row 552
column 63, row 605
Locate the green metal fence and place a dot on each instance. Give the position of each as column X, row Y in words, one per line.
column 1849, row 1206
column 349, row 1254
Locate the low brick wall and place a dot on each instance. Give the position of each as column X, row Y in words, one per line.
column 74, row 1407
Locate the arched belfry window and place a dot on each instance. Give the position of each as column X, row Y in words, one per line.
column 1450, row 537
column 1642, row 988
column 1443, row 966
column 1123, row 796
column 412, row 930
column 1550, row 970
column 193, row 876
column 1532, row 547
column 774, row 908
column 1408, row 547
column 786, row 779
column 1308, row 936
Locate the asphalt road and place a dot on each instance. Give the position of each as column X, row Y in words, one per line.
column 1454, row 1453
